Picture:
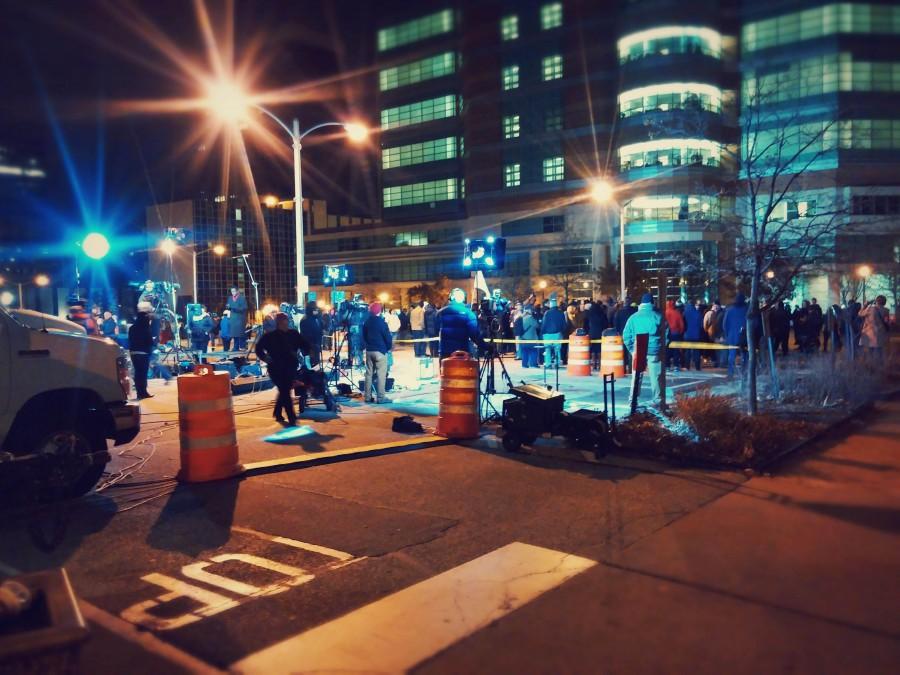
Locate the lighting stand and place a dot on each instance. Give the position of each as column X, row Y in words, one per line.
column 337, row 372
column 253, row 282
column 487, row 411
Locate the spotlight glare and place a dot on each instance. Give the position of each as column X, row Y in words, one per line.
column 218, row 249
column 489, row 261
column 467, row 262
column 7, row 298
column 168, row 246
column 95, row 246
column 490, row 239
column 42, row 280
column 356, row 132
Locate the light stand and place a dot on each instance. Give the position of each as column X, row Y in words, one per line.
column 253, row 282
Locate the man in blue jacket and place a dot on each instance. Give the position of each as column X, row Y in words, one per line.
column 378, row 343
column 458, row 325
column 647, row 320
column 735, row 327
column 553, row 325
column 693, row 332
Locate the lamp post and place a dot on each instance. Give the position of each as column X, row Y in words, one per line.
column 602, row 192
column 864, row 271
column 231, row 103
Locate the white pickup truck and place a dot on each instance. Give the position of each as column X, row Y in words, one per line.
column 62, row 394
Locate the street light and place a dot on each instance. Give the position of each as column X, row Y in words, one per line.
column 40, row 280
column 542, row 284
column 95, row 246
column 231, row 104
column 602, row 192
column 864, row 271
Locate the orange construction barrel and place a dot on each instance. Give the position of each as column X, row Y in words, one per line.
column 458, row 409
column 209, row 448
column 579, row 354
column 612, row 354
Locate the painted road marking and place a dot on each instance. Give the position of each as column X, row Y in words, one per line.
column 212, row 603
column 395, row 633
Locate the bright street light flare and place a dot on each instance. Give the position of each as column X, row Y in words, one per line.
column 42, row 280
column 865, row 271
column 218, row 249
column 168, row 246
column 601, row 191
column 7, row 298
column 227, row 101
column 356, row 132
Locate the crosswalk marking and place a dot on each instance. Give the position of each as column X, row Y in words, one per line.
column 395, row 633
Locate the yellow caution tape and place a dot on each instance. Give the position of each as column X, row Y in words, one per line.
column 518, row 341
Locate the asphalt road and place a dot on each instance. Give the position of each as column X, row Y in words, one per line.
column 224, row 570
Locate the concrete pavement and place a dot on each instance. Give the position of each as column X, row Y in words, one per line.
column 689, row 570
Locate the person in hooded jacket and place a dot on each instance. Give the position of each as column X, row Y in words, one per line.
column 199, row 329
column 312, row 330
column 735, row 327
column 647, row 320
column 676, row 334
column 693, row 332
column 459, row 326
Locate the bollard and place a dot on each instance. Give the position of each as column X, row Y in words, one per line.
column 209, row 448
column 579, row 354
column 612, row 354
column 458, row 408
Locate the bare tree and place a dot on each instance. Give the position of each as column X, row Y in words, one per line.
column 779, row 236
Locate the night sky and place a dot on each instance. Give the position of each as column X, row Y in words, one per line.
column 69, row 60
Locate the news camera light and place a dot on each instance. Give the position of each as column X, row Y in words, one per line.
column 484, row 254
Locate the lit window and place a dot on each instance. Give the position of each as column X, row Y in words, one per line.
column 421, row 193
column 669, row 153
column 411, row 239
column 509, row 27
column 420, row 111
column 512, row 175
column 830, row 19
column 552, row 67
column 551, row 15
column 554, row 169
column 415, row 30
column 671, row 207
column 511, row 126
column 419, row 153
column 417, row 71
column 666, row 40
column 510, row 77
column 670, row 96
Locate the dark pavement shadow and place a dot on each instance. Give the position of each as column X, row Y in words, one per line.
column 46, row 535
column 310, row 441
column 196, row 517
column 858, row 464
column 873, row 517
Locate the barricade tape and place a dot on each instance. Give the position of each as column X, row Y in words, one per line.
column 518, row 341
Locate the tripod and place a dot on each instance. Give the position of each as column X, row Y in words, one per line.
column 337, row 371
column 487, row 411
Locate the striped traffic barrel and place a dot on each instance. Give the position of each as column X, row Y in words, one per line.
column 209, row 448
column 458, row 409
column 612, row 354
column 579, row 354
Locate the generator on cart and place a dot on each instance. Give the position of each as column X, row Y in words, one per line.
column 535, row 411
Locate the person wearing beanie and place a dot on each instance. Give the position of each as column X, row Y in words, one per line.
column 278, row 349
column 458, row 325
column 378, row 344
column 646, row 320
column 553, row 326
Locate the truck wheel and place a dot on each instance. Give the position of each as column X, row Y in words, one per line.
column 67, row 452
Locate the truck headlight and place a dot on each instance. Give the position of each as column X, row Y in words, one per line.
column 124, row 379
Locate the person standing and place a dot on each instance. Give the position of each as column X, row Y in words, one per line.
column 312, row 330
column 140, row 345
column 278, row 350
column 875, row 326
column 237, row 320
column 693, row 332
column 780, row 325
column 108, row 326
column 735, row 327
column 200, row 328
column 378, row 343
column 417, row 327
column 432, row 328
column 458, row 326
column 676, row 334
column 553, row 326
column 531, row 331
column 596, row 321
column 646, row 320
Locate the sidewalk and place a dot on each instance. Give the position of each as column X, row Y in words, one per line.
column 795, row 573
